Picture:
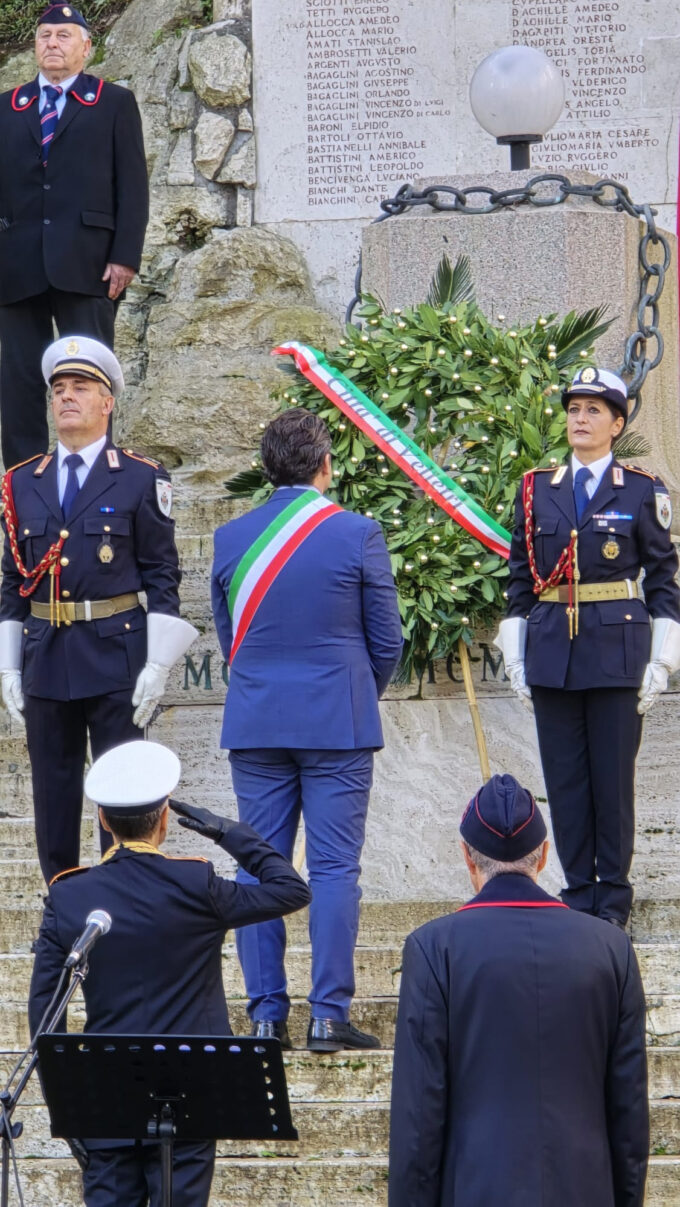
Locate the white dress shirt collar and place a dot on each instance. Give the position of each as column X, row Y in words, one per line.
column 65, row 86
column 89, row 453
column 597, row 469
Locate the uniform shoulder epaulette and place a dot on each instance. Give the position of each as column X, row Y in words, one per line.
column 635, row 469
column 139, row 457
column 26, row 462
column 187, row 858
column 67, row 872
column 539, row 469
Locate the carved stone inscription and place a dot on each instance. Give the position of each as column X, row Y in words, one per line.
column 354, row 98
column 369, row 102
column 614, row 123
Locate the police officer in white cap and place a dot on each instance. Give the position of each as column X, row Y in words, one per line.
column 87, row 528
column 158, row 971
column 583, row 643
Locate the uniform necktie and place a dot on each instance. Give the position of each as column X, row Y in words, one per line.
column 581, row 497
column 72, row 484
column 49, row 118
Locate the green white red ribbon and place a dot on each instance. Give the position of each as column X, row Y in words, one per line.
column 399, row 447
column 267, row 556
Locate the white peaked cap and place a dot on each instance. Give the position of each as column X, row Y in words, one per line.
column 133, row 778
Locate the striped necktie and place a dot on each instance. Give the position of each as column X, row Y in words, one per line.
column 49, row 118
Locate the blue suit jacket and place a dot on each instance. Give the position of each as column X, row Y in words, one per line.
column 119, row 503
column 520, row 1063
column 613, row 642
column 323, row 643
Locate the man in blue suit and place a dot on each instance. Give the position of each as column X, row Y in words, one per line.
column 306, row 612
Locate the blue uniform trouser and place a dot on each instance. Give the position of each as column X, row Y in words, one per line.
column 331, row 789
column 130, row 1176
column 589, row 742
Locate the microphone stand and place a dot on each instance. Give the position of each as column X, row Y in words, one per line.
column 9, row 1097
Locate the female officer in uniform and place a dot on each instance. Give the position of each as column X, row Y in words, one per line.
column 578, row 642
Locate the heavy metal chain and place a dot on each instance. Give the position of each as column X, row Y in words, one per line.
column 644, row 346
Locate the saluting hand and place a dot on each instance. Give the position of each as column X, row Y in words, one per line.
column 202, row 821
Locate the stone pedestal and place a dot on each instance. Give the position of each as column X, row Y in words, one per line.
column 529, row 261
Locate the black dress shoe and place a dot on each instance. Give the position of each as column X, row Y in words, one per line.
column 329, row 1035
column 268, row 1028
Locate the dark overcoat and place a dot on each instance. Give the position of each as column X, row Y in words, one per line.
column 61, row 224
column 520, row 1068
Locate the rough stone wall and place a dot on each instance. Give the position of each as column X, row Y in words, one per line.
column 214, row 293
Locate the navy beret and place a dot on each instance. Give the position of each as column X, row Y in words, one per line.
column 503, row 821
column 62, row 14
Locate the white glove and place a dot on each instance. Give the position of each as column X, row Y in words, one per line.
column 663, row 660
column 10, row 668
column 12, row 695
column 148, row 692
column 167, row 638
column 511, row 641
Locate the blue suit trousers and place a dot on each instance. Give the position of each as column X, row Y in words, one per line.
column 331, row 789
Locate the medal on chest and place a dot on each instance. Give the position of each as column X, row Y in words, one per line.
column 611, row 549
column 105, row 551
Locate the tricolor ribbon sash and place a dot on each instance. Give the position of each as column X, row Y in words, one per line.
column 399, row 447
column 267, row 556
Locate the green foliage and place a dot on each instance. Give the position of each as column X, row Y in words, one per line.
column 484, row 402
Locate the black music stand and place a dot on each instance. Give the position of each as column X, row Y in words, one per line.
column 165, row 1088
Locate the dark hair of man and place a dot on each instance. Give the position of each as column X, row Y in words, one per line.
column 293, row 447
column 135, row 827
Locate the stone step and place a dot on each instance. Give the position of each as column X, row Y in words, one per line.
column 345, row 1182
column 326, row 1131
column 367, row 1076
column 377, row 969
column 376, row 1015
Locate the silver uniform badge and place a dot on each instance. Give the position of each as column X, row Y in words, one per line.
column 164, row 495
column 23, row 100
column 89, row 96
column 664, row 511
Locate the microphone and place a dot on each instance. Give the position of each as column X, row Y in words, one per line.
column 98, row 924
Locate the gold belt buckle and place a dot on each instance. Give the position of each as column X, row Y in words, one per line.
column 67, row 611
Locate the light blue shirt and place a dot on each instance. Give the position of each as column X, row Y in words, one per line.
column 89, row 455
column 597, row 469
column 65, row 85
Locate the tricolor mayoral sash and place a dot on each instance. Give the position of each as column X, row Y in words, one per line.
column 267, row 556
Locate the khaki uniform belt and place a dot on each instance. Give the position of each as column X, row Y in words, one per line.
column 87, row 609
column 592, row 592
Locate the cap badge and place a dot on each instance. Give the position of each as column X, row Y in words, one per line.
column 73, row 348
column 67, row 12
column 611, row 549
column 23, row 100
column 588, row 376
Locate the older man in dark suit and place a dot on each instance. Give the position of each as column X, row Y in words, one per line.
column 520, row 1074
column 159, row 971
column 73, row 212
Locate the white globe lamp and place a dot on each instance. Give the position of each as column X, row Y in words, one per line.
column 517, row 94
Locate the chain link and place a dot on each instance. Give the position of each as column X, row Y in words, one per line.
column 644, row 347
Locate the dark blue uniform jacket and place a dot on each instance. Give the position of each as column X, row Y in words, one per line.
column 64, row 222
column 159, row 969
column 613, row 643
column 324, row 642
column 118, row 505
column 520, row 1068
